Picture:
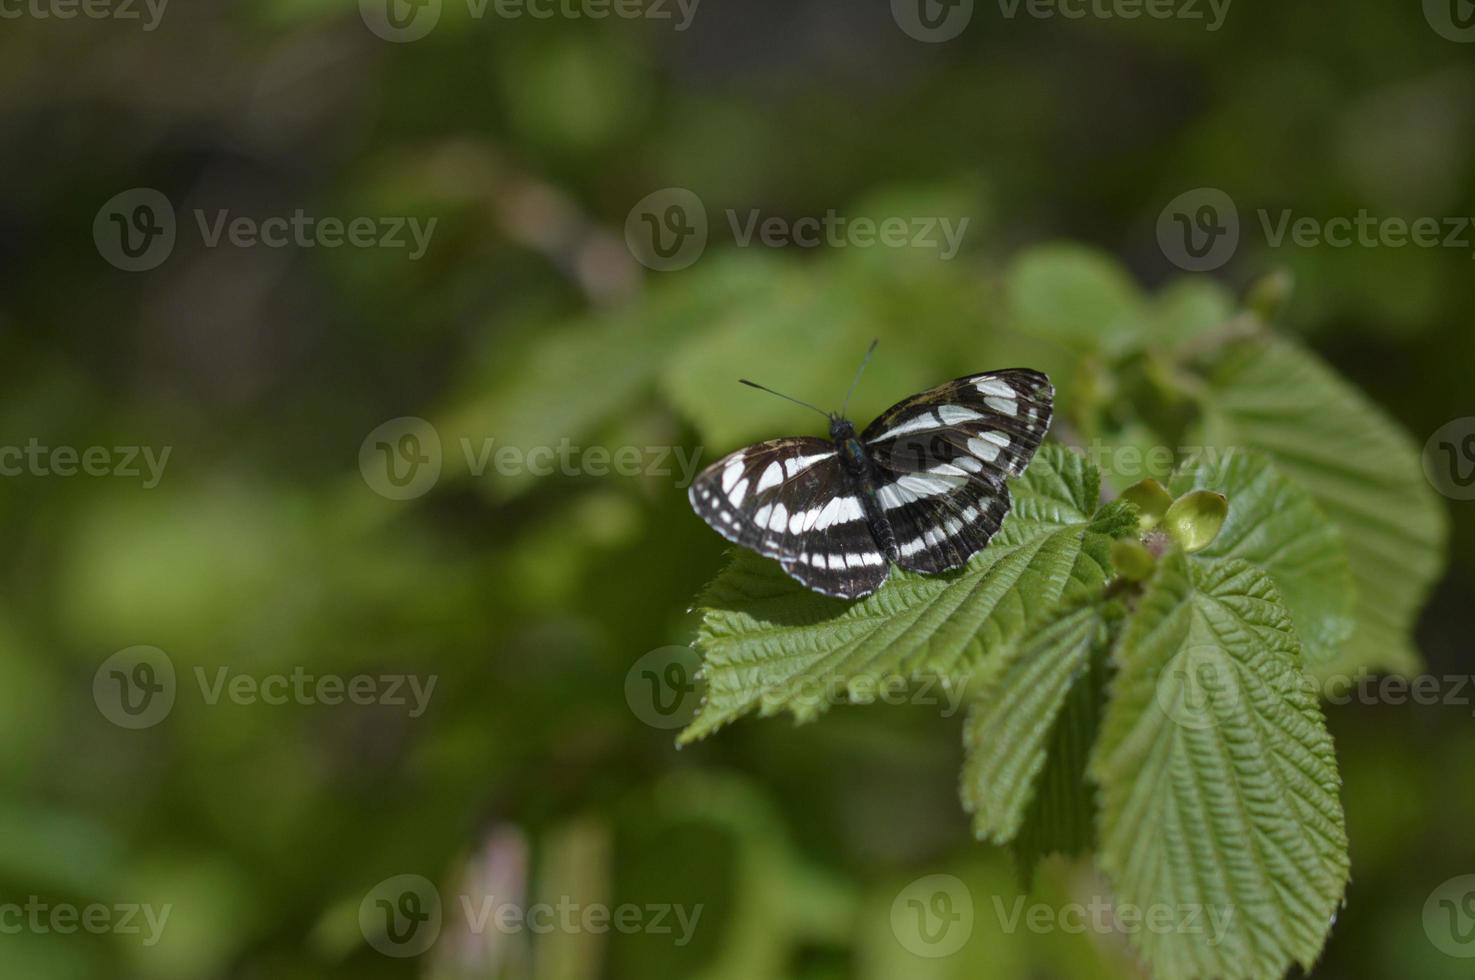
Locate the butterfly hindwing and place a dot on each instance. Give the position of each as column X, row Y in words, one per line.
column 789, row 499
column 941, row 458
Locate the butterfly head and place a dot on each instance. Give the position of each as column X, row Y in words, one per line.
column 840, row 428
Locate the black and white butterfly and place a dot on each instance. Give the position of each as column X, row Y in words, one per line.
column 922, row 487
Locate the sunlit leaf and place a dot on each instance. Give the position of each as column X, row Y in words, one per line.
column 771, row 645
column 1219, row 786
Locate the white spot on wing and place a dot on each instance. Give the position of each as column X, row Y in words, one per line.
column 1004, row 406
column 736, row 493
column 984, row 449
column 920, row 423
column 955, row 414
column 893, row 496
column 838, row 511
column 772, row 477
column 731, row 473
column 969, row 463
column 927, row 485
column 780, row 517
column 798, row 464
column 993, row 386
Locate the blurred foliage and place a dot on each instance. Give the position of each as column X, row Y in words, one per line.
column 263, row 549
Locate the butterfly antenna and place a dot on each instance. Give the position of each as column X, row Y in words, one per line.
column 796, row 401
column 863, row 362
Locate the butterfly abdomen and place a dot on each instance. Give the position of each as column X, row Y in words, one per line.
column 861, row 469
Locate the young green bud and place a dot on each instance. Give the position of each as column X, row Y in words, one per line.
column 1151, row 500
column 1132, row 560
column 1270, row 294
column 1195, row 518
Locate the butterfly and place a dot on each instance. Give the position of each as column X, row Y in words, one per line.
column 922, row 487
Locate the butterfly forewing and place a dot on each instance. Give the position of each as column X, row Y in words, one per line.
column 986, row 424
column 788, row 499
column 941, row 458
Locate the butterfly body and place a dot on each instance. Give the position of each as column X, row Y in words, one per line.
column 862, row 482
column 922, row 487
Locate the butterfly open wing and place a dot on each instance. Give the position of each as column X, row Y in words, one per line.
column 941, row 458
column 788, row 499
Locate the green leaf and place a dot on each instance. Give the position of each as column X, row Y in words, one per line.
column 772, row 645
column 578, row 376
column 1276, row 526
column 1271, row 395
column 1074, row 295
column 1062, row 817
column 1030, row 732
column 1188, row 307
column 1014, row 720
column 805, row 336
column 1218, row 780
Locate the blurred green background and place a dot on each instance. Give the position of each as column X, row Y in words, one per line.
column 266, row 548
